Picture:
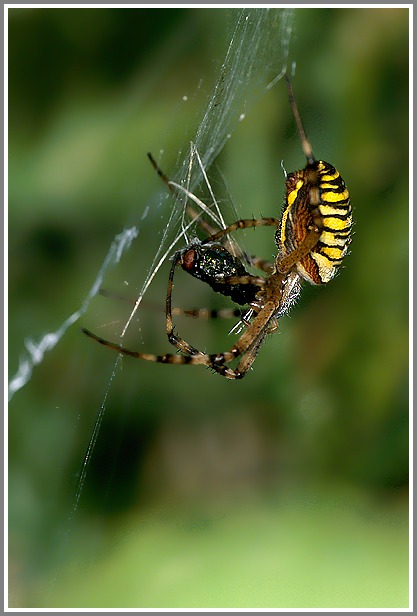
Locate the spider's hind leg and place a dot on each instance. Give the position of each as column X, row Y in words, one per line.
column 208, row 313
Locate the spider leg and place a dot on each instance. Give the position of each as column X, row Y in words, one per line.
column 248, row 344
column 206, row 226
column 232, row 280
column 250, row 354
column 208, row 313
column 243, row 223
column 162, row 175
column 246, row 347
column 181, row 344
column 215, row 234
column 216, row 362
column 210, row 230
column 264, row 266
column 168, row 358
column 286, row 263
column 196, row 313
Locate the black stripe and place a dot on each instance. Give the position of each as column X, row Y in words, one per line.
column 338, row 216
column 336, row 192
column 343, row 204
column 337, row 206
column 335, row 231
column 332, row 181
column 342, row 235
column 324, row 245
column 334, row 259
column 186, row 359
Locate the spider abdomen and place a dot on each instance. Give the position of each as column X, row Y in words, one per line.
column 316, row 198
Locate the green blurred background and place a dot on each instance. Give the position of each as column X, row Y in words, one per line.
column 286, row 489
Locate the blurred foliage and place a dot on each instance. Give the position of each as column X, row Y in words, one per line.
column 287, row 489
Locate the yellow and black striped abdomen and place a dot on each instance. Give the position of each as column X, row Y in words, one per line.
column 316, row 198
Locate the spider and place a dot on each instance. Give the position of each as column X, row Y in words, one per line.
column 312, row 238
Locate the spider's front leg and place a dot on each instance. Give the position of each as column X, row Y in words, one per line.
column 248, row 345
column 176, row 341
column 284, row 264
column 269, row 300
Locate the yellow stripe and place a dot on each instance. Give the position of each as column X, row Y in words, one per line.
column 322, row 166
column 292, row 196
column 334, row 197
column 284, row 225
column 336, row 223
column 328, row 177
column 346, row 232
column 327, row 237
column 326, row 268
column 329, row 210
column 333, row 253
column 327, row 185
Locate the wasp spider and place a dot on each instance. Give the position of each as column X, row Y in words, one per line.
column 312, row 237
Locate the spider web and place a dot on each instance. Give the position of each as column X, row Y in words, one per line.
column 256, row 58
column 254, row 62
